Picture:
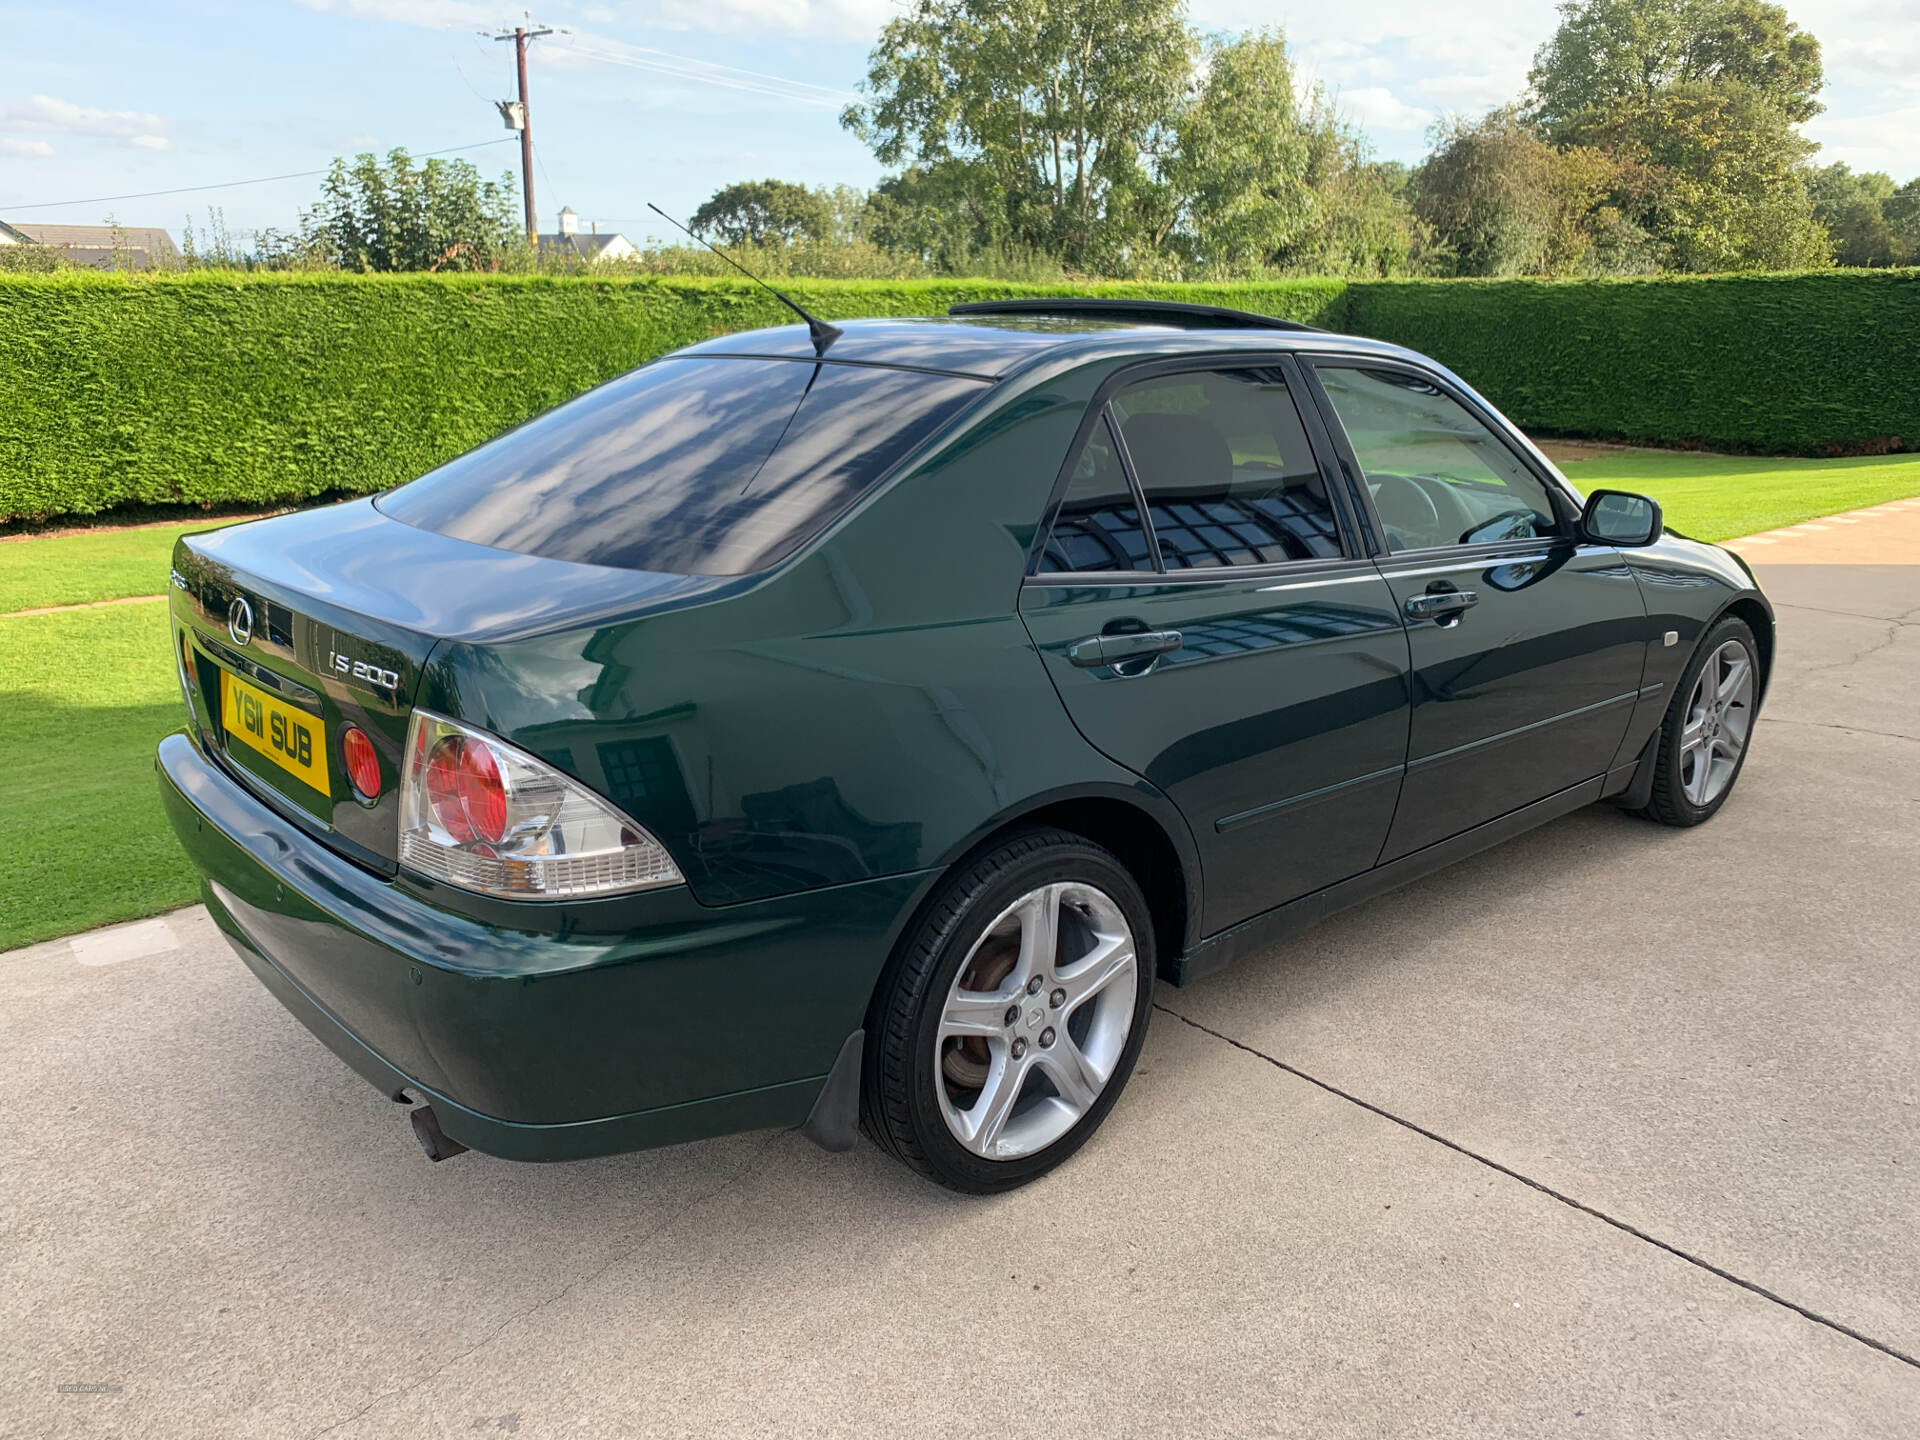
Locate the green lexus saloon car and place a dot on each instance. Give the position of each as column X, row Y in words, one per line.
column 845, row 727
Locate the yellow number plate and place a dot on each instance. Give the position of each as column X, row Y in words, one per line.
column 291, row 738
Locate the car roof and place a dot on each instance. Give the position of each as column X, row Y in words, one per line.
column 994, row 346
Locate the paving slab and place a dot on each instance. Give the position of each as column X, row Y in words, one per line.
column 1886, row 534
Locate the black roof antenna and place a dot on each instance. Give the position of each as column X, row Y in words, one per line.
column 821, row 332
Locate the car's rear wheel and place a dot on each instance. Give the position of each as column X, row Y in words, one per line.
column 1708, row 728
column 1012, row 1015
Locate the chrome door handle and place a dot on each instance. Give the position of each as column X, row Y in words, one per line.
column 1438, row 603
column 1098, row 650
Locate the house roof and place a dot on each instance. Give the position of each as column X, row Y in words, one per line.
column 91, row 244
column 130, row 237
column 586, row 247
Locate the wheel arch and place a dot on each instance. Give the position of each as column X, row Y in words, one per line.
column 1139, row 825
column 1759, row 619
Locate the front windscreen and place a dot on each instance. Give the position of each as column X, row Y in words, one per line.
column 698, row 466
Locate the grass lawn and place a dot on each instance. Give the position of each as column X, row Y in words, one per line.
column 88, row 693
column 96, row 565
column 1721, row 497
column 87, row 696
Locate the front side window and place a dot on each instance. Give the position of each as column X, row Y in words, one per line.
column 1437, row 474
column 1226, row 468
column 701, row 465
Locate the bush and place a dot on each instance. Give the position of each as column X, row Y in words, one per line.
column 1822, row 362
column 228, row 388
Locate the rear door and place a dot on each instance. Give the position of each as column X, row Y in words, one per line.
column 1527, row 646
column 1210, row 621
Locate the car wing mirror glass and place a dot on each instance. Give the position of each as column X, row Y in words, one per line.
column 1615, row 517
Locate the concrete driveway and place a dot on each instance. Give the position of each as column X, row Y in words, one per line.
column 1613, row 1131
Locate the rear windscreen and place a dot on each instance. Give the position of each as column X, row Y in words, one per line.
column 698, row 466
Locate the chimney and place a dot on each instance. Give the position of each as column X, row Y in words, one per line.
column 569, row 222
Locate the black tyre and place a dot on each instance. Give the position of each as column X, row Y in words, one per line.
column 1011, row 1015
column 1708, row 727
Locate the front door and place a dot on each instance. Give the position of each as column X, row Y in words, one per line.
column 1227, row 639
column 1527, row 646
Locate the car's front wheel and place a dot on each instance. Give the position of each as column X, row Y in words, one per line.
column 1708, row 726
column 1012, row 1014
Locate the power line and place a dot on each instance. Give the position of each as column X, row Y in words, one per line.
column 230, row 184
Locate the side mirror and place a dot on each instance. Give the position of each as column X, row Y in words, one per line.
column 1614, row 517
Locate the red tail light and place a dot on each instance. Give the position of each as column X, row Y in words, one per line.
column 464, row 790
column 363, row 763
column 482, row 795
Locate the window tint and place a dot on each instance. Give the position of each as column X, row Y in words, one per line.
column 1098, row 525
column 1226, row 469
column 1438, row 476
column 705, row 466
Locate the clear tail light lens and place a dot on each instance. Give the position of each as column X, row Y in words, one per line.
column 484, row 815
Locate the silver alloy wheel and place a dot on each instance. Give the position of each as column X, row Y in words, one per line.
column 1718, row 721
column 1018, row 1063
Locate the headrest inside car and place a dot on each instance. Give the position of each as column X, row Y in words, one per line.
column 1178, row 452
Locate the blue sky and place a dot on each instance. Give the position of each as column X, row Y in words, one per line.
column 666, row 100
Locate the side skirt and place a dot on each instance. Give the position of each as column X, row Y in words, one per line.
column 1283, row 922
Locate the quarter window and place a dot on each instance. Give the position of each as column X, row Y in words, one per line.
column 1098, row 527
column 1438, row 476
column 1226, row 468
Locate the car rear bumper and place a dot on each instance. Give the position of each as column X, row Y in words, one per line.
column 582, row 1029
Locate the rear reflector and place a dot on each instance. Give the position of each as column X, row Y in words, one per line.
column 363, row 763
column 485, row 815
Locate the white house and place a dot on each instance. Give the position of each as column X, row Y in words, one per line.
column 592, row 247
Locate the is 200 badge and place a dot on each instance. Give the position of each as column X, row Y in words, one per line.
column 370, row 675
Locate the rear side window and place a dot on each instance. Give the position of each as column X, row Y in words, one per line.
column 697, row 466
column 1228, row 473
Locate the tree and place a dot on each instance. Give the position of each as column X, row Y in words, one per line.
column 1235, row 173
column 758, row 212
column 1031, row 112
column 399, row 216
column 1902, row 210
column 1609, row 52
column 1360, row 223
column 1715, row 174
column 1853, row 208
column 1499, row 200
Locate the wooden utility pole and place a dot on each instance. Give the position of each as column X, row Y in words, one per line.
column 520, row 35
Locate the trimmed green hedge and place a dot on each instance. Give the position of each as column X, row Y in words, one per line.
column 1823, row 362
column 217, row 389
column 207, row 388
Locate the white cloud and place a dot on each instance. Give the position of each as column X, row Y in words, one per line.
column 1468, row 94
column 1377, row 108
column 50, row 115
column 25, row 147
column 1883, row 141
